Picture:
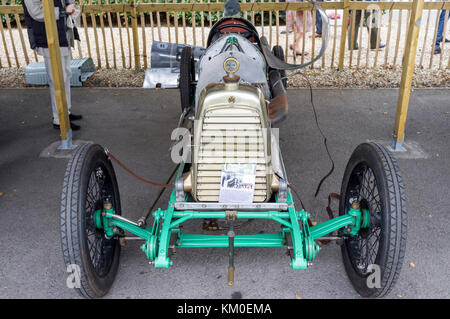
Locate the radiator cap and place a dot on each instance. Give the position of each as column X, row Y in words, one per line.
column 231, row 82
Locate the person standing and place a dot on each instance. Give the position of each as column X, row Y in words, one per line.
column 298, row 17
column 286, row 19
column 372, row 19
column 440, row 31
column 34, row 19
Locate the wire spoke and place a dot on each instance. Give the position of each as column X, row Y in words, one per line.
column 365, row 250
column 98, row 246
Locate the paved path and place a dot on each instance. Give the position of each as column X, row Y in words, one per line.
column 135, row 124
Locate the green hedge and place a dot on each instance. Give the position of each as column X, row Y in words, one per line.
column 214, row 14
column 188, row 15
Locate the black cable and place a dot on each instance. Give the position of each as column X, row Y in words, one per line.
column 321, row 133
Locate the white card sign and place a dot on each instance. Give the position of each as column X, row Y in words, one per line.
column 237, row 183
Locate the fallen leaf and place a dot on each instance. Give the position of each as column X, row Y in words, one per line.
column 412, row 265
column 297, row 296
column 1, row 193
column 398, row 295
column 10, row 195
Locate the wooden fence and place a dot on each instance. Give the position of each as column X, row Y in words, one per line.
column 119, row 35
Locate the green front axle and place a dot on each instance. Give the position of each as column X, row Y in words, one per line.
column 167, row 222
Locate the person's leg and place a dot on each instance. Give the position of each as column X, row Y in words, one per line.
column 48, row 68
column 298, row 39
column 296, row 47
column 318, row 21
column 373, row 20
column 300, row 30
column 440, row 30
column 289, row 21
column 283, row 13
column 374, row 29
column 357, row 14
column 67, row 72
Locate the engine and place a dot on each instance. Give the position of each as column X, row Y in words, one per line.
column 233, row 54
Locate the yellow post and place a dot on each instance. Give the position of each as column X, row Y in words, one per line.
column 343, row 35
column 57, row 72
column 134, row 27
column 407, row 72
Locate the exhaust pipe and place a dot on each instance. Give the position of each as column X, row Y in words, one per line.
column 278, row 105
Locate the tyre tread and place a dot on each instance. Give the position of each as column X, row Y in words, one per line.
column 70, row 237
column 398, row 219
column 396, row 223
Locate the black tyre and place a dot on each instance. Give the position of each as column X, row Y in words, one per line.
column 373, row 178
column 89, row 180
column 279, row 53
column 187, row 78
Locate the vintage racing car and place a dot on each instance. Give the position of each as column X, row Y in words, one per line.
column 230, row 168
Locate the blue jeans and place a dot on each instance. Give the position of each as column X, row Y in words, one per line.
column 318, row 21
column 440, row 29
column 283, row 13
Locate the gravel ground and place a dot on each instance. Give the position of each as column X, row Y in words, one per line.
column 365, row 73
column 362, row 78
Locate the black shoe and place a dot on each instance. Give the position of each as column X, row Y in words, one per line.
column 447, row 40
column 437, row 50
column 73, row 126
column 74, row 117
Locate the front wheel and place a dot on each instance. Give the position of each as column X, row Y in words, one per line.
column 373, row 258
column 93, row 257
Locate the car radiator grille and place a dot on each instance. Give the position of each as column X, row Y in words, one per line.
column 230, row 135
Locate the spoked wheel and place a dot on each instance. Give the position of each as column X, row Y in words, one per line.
column 279, row 53
column 187, row 78
column 372, row 177
column 89, row 181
